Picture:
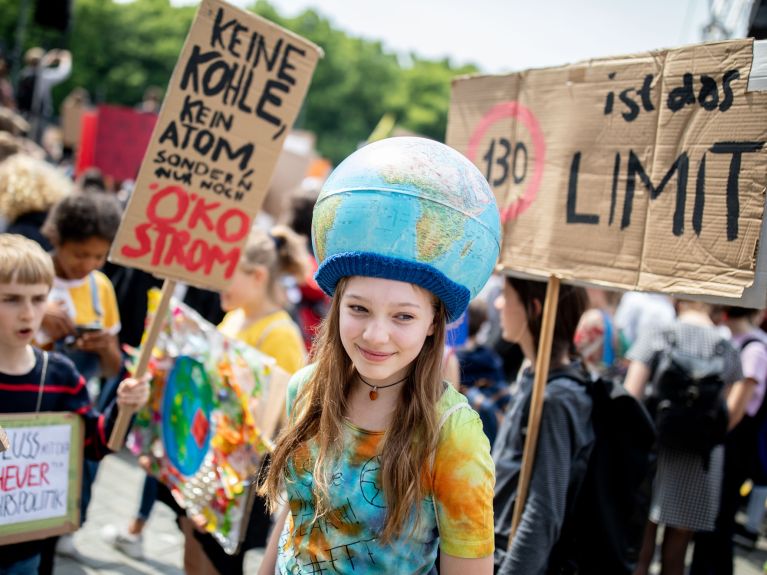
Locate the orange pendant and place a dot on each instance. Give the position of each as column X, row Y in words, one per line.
column 373, row 394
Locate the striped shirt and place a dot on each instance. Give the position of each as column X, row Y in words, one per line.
column 64, row 390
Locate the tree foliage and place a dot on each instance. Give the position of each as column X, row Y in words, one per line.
column 121, row 48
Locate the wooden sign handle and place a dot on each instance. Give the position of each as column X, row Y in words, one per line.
column 542, row 361
column 120, row 430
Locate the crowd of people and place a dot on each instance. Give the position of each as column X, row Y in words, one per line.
column 375, row 382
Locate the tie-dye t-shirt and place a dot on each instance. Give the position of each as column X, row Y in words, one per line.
column 345, row 540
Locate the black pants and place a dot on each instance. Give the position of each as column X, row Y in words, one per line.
column 713, row 554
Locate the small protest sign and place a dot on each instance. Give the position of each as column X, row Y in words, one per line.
column 640, row 172
column 233, row 97
column 40, row 476
column 121, row 140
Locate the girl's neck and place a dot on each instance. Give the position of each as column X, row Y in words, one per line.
column 17, row 360
column 259, row 308
column 739, row 326
column 695, row 317
column 555, row 363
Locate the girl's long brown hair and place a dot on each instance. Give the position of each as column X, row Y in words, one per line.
column 321, row 406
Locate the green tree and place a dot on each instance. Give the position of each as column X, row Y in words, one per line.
column 121, row 48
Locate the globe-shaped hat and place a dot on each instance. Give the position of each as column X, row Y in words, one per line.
column 408, row 209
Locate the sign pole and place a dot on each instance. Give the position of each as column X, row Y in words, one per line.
column 542, row 361
column 120, row 430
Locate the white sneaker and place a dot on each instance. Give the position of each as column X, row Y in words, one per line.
column 65, row 546
column 120, row 539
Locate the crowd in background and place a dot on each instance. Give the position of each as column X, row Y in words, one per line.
column 94, row 311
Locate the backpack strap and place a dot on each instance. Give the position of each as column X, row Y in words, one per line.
column 748, row 341
column 95, row 297
column 43, row 374
column 284, row 322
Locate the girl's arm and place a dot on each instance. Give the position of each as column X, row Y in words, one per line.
column 738, row 396
column 450, row 565
column 636, row 378
column 269, row 561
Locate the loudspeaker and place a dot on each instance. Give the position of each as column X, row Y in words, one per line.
column 53, row 13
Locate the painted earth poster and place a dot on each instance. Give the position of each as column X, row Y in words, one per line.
column 214, row 405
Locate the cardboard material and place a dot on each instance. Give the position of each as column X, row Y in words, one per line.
column 233, row 97
column 40, row 476
column 585, row 161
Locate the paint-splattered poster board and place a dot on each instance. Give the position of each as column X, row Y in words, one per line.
column 233, row 97
column 40, row 476
column 211, row 417
column 639, row 172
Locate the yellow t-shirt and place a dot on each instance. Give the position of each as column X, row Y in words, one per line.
column 82, row 307
column 276, row 335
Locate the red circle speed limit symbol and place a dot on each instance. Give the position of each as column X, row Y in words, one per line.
column 505, row 159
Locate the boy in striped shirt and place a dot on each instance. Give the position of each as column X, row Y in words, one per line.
column 26, row 276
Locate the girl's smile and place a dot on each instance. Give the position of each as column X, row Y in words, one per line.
column 383, row 326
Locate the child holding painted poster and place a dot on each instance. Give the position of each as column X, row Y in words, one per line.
column 254, row 301
column 255, row 315
column 384, row 463
column 35, row 381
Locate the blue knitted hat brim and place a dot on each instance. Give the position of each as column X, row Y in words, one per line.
column 453, row 295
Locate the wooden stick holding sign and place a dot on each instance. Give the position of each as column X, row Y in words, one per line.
column 207, row 168
column 542, row 361
column 4, row 443
column 124, row 416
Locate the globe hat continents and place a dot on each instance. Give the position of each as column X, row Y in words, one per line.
column 412, row 210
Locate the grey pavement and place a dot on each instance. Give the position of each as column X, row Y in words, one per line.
column 115, row 500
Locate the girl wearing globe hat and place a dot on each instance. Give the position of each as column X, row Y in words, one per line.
column 383, row 462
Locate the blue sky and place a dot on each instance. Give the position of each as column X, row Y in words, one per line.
column 510, row 35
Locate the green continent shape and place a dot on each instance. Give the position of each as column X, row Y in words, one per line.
column 323, row 222
column 437, row 230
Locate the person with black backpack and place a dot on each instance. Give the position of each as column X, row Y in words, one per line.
column 589, row 492
column 565, row 439
column 745, row 447
column 689, row 365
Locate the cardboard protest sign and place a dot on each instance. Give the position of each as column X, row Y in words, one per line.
column 212, row 414
column 40, row 475
column 236, row 90
column 641, row 172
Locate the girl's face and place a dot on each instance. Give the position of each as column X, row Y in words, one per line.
column 75, row 260
column 513, row 318
column 244, row 287
column 384, row 324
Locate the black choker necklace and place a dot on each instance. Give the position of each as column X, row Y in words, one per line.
column 374, row 388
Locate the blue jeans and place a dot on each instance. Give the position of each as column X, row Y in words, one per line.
column 24, row 567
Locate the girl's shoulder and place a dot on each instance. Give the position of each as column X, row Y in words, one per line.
column 454, row 411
